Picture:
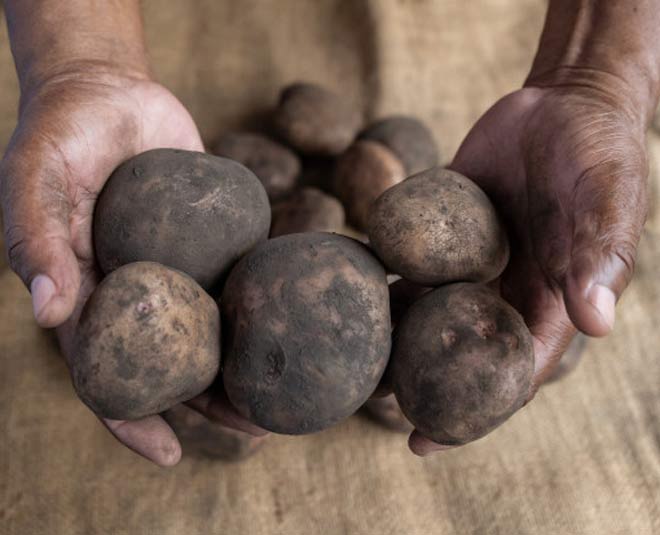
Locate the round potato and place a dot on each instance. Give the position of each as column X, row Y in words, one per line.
column 307, row 210
column 438, row 227
column 362, row 174
column 207, row 439
column 274, row 164
column 308, row 331
column 408, row 138
column 315, row 121
column 148, row 338
column 194, row 212
column 462, row 363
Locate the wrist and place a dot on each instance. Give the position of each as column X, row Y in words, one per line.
column 632, row 96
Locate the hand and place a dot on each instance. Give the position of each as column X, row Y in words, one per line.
column 566, row 167
column 73, row 131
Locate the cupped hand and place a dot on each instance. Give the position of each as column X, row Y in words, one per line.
column 566, row 167
column 73, row 131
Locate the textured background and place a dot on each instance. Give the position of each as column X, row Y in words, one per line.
column 582, row 458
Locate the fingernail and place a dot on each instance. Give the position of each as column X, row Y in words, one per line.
column 43, row 290
column 604, row 301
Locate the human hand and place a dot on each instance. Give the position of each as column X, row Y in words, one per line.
column 74, row 129
column 566, row 167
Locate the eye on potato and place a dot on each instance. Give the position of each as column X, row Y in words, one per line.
column 307, row 210
column 362, row 174
column 438, row 227
column 275, row 165
column 408, row 138
column 315, row 121
column 462, row 363
column 191, row 211
column 148, row 339
column 307, row 331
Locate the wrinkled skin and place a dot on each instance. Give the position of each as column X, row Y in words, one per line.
column 566, row 167
column 74, row 129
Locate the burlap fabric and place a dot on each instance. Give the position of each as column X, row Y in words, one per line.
column 583, row 458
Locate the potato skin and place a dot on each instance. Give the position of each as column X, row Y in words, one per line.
column 211, row 440
column 438, row 227
column 191, row 211
column 408, row 138
column 276, row 166
column 362, row 174
column 307, row 210
column 307, row 331
column 315, row 121
column 462, row 363
column 148, row 338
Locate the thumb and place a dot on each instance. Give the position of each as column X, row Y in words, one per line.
column 605, row 238
column 36, row 209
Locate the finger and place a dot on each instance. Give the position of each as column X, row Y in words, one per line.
column 150, row 437
column 422, row 446
column 214, row 405
column 36, row 210
column 612, row 209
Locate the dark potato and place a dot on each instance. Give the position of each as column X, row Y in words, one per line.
column 194, row 212
column 362, row 174
column 275, row 165
column 315, row 121
column 307, row 331
column 462, row 363
column 148, row 339
column 438, row 227
column 408, row 138
column 307, row 210
column 208, row 439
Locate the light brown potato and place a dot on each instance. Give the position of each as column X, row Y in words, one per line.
column 363, row 173
column 308, row 331
column 408, row 138
column 438, row 227
column 207, row 439
column 276, row 166
column 148, row 339
column 194, row 212
column 307, row 210
column 462, row 363
column 316, row 121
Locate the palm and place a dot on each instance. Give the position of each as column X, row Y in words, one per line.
column 548, row 159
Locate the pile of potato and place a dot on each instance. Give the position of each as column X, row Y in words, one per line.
column 307, row 316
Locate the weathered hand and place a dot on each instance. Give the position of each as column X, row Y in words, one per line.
column 73, row 130
column 566, row 167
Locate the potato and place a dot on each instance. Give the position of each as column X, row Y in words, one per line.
column 307, row 210
column 438, row 227
column 462, row 363
column 315, row 121
column 307, row 331
column 275, row 165
column 148, row 338
column 191, row 211
column 207, row 439
column 408, row 138
column 362, row 174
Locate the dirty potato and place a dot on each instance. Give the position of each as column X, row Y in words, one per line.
column 307, row 331
column 462, row 363
column 148, row 338
column 307, row 210
column 194, row 212
column 438, row 227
